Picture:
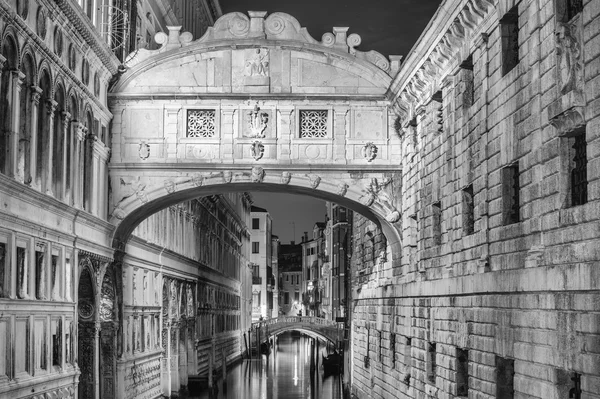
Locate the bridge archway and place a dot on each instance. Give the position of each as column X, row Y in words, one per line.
column 141, row 204
column 256, row 104
column 326, row 329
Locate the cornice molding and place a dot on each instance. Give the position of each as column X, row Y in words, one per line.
column 444, row 41
column 85, row 27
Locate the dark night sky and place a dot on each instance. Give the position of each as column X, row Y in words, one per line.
column 388, row 26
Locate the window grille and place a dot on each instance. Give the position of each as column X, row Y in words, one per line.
column 201, row 123
column 511, row 194
column 579, row 171
column 313, row 123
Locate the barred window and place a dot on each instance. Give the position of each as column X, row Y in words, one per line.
column 313, row 123
column 201, row 123
column 510, row 194
column 578, row 163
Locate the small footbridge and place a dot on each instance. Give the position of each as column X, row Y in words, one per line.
column 326, row 329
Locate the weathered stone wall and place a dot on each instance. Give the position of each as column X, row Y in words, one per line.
column 499, row 259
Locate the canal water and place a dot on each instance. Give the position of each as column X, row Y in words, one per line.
column 285, row 373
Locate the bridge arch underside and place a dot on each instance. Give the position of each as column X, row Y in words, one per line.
column 311, row 333
column 134, row 209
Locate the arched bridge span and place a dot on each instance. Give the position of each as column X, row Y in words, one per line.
column 327, row 329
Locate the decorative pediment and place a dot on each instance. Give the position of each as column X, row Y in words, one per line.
column 278, row 26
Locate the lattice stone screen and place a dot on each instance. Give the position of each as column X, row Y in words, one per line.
column 313, row 123
column 201, row 123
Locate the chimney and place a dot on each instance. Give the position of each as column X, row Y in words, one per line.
column 292, row 242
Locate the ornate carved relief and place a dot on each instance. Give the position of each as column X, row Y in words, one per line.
column 197, row 179
column 342, row 189
column 169, row 186
column 143, row 380
column 568, row 120
column 144, row 150
column 257, row 149
column 258, row 174
column 570, row 56
column 257, row 122
column 286, row 177
column 227, row 176
column 256, row 67
column 369, row 151
column 314, row 180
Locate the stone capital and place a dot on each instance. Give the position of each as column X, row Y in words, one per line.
column 18, row 76
column 66, row 118
column 36, row 93
column 2, row 60
column 51, row 106
column 80, row 130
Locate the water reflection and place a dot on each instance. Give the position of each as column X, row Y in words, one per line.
column 286, row 373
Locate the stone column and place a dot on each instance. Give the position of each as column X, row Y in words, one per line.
column 77, row 177
column 166, row 361
column 96, row 366
column 183, row 361
column 66, row 193
column 49, row 145
column 16, row 81
column 36, row 93
column 174, row 357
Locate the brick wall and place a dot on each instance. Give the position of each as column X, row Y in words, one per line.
column 498, row 258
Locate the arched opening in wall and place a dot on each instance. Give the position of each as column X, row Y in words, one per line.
column 43, row 151
column 212, row 229
column 10, row 53
column 58, row 144
column 87, row 334
column 28, row 93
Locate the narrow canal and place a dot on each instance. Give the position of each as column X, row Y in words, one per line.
column 285, row 373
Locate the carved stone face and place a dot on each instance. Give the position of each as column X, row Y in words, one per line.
column 286, row 177
column 227, row 176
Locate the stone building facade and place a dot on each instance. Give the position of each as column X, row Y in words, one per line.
column 496, row 293
column 78, row 319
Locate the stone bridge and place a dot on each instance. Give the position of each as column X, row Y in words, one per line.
column 256, row 104
column 327, row 329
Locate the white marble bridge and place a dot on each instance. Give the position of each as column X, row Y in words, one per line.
column 327, row 329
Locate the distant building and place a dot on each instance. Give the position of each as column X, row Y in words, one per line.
column 272, row 280
column 312, row 261
column 261, row 261
column 339, row 251
column 290, row 279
